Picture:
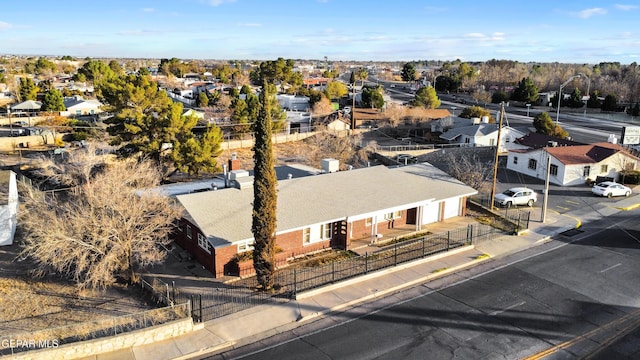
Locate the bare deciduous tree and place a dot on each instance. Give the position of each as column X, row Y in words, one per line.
column 469, row 169
column 107, row 226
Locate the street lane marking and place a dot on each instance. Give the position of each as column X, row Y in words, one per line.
column 494, row 313
column 572, row 202
column 563, row 208
column 610, row 267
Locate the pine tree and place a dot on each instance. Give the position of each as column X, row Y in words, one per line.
column 265, row 197
column 53, row 101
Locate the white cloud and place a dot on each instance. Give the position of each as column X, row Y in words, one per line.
column 625, row 7
column 219, row 2
column 4, row 25
column 587, row 13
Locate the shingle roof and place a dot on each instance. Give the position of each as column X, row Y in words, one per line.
column 537, row 140
column 224, row 216
column 584, row 154
column 471, row 130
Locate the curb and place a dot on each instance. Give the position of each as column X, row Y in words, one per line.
column 385, row 292
column 378, row 273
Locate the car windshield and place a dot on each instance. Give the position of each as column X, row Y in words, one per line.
column 509, row 193
column 604, row 185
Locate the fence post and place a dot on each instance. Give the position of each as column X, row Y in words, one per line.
column 173, row 291
column 167, row 287
column 200, row 316
column 395, row 254
column 448, row 239
column 333, row 271
column 518, row 226
column 295, row 284
column 366, row 262
column 424, row 238
column 471, row 234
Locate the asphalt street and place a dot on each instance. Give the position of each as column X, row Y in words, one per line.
column 518, row 306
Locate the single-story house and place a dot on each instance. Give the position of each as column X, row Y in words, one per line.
column 77, row 105
column 483, row 135
column 28, row 106
column 322, row 211
column 8, row 207
column 293, row 102
column 572, row 165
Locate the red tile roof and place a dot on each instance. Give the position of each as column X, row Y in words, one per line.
column 584, row 154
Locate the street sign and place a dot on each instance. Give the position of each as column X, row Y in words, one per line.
column 630, row 135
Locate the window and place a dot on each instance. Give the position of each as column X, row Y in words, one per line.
column 204, row 243
column 179, row 226
column 306, row 236
column 189, row 231
column 604, row 169
column 325, row 231
column 78, row 112
column 553, row 169
column 492, row 142
column 245, row 246
column 393, row 215
column 586, row 170
column 515, row 159
column 533, row 164
column 368, row 221
column 467, row 140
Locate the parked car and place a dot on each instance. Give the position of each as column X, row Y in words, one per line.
column 516, row 196
column 610, row 188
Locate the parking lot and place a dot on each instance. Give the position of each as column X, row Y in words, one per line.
column 562, row 199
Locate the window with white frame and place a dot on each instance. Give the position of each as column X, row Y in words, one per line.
column 189, row 231
column 306, row 235
column 533, row 164
column 325, row 231
column 179, row 225
column 246, row 245
column 368, row 221
column 604, row 169
column 515, row 159
column 553, row 170
column 204, row 243
column 586, row 170
column 393, row 215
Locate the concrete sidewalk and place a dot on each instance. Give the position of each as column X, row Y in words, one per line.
column 264, row 321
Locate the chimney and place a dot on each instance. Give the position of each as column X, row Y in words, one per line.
column 234, row 163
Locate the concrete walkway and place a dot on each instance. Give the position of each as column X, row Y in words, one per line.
column 264, row 321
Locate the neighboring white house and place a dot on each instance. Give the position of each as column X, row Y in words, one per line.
column 572, row 165
column 483, row 135
column 77, row 105
column 9, row 207
column 292, row 102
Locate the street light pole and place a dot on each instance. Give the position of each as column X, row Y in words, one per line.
column 560, row 96
column 588, row 95
column 528, row 106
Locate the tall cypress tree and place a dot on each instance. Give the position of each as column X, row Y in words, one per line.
column 264, row 197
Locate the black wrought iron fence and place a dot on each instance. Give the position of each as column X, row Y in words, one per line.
column 223, row 299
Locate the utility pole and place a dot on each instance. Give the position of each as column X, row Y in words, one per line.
column 495, row 162
column 353, row 109
column 543, row 215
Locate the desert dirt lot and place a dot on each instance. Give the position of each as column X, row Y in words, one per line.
column 30, row 304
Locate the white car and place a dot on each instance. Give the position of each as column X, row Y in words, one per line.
column 610, row 188
column 516, row 196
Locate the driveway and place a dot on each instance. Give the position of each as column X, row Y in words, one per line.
column 562, row 199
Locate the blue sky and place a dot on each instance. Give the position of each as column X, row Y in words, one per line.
column 564, row 31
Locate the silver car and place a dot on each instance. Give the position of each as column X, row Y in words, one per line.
column 516, row 196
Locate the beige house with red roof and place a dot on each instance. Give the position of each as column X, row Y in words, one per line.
column 573, row 165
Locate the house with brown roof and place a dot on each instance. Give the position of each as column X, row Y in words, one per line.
column 573, row 165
